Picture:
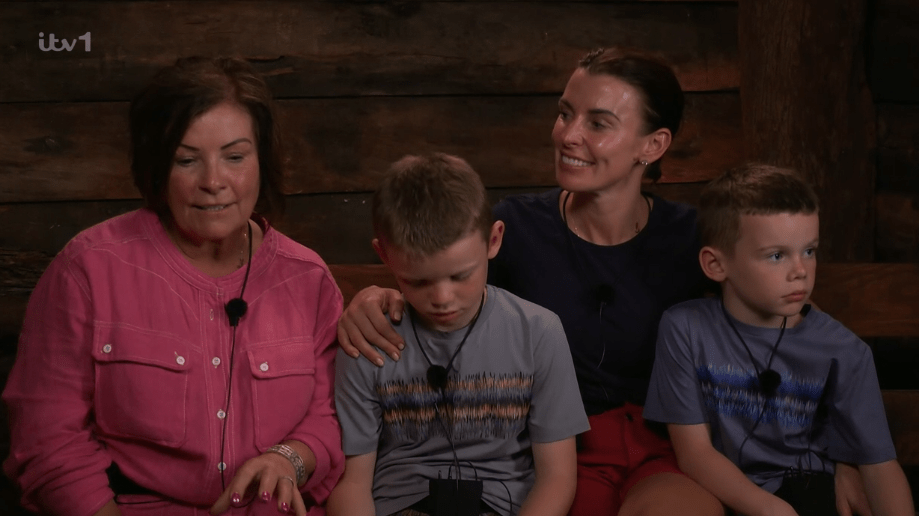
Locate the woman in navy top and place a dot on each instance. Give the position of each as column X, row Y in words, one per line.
column 608, row 258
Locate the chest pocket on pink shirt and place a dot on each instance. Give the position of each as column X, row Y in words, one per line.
column 141, row 386
column 283, row 384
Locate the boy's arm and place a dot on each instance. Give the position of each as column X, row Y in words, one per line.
column 353, row 496
column 712, row 470
column 556, row 477
column 850, row 491
column 887, row 489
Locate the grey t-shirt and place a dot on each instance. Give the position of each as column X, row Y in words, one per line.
column 827, row 408
column 511, row 384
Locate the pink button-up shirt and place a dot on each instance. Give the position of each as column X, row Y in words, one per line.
column 126, row 355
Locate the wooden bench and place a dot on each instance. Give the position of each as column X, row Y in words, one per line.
column 872, row 299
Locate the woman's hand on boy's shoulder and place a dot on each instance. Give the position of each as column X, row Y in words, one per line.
column 363, row 327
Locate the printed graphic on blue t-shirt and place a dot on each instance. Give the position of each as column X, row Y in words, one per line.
column 734, row 392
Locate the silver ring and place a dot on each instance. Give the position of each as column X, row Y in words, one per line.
column 285, row 477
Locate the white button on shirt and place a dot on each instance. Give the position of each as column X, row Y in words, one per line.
column 221, row 466
column 107, row 348
column 180, row 360
column 215, row 361
column 263, row 367
column 221, row 414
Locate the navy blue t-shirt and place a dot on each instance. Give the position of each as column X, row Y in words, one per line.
column 609, row 298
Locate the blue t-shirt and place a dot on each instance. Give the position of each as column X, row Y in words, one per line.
column 609, row 298
column 827, row 408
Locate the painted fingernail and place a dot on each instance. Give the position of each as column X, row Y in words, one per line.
column 236, row 498
column 395, row 356
column 266, row 496
column 379, row 362
column 285, row 507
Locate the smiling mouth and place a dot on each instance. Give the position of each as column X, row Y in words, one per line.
column 575, row 162
column 213, row 207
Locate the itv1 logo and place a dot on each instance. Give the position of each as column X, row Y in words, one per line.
column 65, row 45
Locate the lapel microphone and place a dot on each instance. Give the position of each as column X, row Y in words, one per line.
column 235, row 309
column 437, row 376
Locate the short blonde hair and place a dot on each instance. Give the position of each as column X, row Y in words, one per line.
column 426, row 203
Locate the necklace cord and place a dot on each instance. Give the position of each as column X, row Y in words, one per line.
column 565, row 213
column 759, row 377
column 226, row 413
column 775, row 346
column 441, row 377
column 604, row 291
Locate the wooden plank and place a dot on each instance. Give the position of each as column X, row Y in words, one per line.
column 897, row 237
column 358, row 48
column 897, row 199
column 352, row 278
column 805, row 105
column 903, row 418
column 79, row 151
column 871, row 299
column 893, row 42
column 898, row 148
column 896, row 359
column 337, row 226
column 12, row 313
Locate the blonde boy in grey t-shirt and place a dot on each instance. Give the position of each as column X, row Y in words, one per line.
column 485, row 391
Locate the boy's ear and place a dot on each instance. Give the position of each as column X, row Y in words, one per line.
column 495, row 238
column 381, row 251
column 657, row 144
column 713, row 264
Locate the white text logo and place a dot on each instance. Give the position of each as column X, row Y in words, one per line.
column 65, row 45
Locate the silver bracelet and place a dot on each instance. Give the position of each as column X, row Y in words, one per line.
column 294, row 458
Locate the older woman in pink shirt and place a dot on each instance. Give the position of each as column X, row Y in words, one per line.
column 177, row 359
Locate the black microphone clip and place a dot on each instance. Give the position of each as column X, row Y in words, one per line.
column 769, row 381
column 235, row 309
column 437, row 377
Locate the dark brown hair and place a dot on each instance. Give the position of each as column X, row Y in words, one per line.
column 161, row 113
column 426, row 203
column 655, row 81
column 751, row 189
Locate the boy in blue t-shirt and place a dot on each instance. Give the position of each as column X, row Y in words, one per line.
column 761, row 395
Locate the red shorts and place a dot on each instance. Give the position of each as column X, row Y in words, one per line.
column 615, row 454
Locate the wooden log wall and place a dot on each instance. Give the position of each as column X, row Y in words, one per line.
column 893, row 78
column 361, row 83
